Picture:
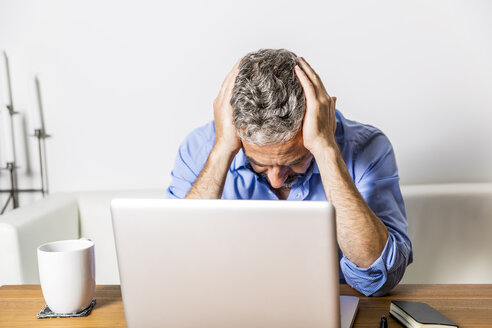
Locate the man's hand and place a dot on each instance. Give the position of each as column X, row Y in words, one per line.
column 210, row 182
column 361, row 234
column 319, row 120
column 226, row 138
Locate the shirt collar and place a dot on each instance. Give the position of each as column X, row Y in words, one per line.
column 240, row 160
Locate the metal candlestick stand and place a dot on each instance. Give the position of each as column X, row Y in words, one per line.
column 41, row 135
column 12, row 168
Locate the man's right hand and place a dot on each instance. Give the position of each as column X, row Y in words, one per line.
column 226, row 138
column 210, row 182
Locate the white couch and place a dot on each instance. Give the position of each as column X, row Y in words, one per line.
column 68, row 215
column 449, row 225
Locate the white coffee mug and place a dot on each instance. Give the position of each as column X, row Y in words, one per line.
column 67, row 274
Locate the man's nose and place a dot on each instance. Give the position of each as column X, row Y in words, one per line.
column 277, row 176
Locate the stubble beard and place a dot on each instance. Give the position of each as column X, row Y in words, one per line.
column 288, row 183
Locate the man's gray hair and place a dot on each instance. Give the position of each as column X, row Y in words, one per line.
column 268, row 99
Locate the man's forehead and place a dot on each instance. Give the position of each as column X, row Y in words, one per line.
column 267, row 156
column 274, row 162
column 276, row 154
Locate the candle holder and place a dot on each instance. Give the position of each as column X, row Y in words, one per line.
column 12, row 168
column 40, row 134
column 13, row 194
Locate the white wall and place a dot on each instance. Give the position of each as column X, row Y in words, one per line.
column 124, row 82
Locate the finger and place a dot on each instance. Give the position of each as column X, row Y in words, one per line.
column 313, row 76
column 333, row 104
column 333, row 108
column 234, row 71
column 306, row 84
column 230, row 79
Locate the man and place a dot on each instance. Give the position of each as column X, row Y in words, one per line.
column 277, row 135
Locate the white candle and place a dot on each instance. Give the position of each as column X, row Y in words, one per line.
column 7, row 135
column 33, row 111
column 6, row 81
column 40, row 104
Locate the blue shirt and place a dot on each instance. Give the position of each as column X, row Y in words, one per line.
column 370, row 160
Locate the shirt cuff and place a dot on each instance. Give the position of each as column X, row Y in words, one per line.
column 372, row 279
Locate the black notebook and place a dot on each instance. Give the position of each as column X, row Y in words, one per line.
column 416, row 314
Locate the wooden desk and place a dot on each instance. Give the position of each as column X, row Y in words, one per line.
column 467, row 305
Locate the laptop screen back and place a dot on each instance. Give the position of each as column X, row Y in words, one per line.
column 234, row 263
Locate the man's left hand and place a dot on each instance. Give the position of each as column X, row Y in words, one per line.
column 319, row 120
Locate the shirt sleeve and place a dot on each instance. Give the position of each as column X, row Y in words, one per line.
column 376, row 178
column 190, row 160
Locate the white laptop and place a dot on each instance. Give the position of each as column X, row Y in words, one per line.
column 229, row 263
